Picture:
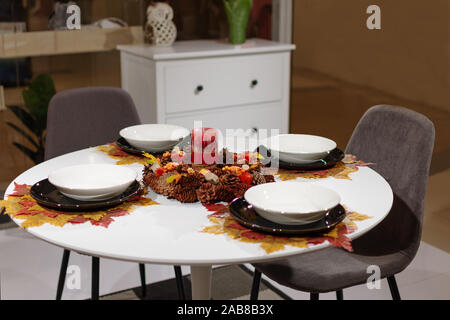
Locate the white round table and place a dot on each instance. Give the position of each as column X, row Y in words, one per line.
column 169, row 233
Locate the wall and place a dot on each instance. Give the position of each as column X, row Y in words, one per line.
column 409, row 57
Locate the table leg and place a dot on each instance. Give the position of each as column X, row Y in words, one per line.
column 201, row 282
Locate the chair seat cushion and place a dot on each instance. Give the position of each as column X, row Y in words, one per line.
column 330, row 269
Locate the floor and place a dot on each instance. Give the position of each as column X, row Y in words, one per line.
column 228, row 283
column 30, row 271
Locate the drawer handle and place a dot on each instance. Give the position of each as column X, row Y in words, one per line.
column 254, row 83
column 198, row 89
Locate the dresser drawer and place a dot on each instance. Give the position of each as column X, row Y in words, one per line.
column 265, row 116
column 218, row 82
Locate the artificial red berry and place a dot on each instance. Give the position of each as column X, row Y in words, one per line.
column 159, row 172
column 246, row 178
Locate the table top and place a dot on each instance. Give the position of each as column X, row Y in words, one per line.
column 169, row 233
column 204, row 48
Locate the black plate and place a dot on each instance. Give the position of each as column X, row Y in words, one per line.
column 128, row 148
column 47, row 195
column 243, row 213
column 329, row 161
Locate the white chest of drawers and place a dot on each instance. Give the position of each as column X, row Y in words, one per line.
column 222, row 85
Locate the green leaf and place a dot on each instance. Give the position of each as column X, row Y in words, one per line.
column 24, row 133
column 37, row 98
column 33, row 155
column 26, row 119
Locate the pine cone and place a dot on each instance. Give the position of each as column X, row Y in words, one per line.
column 158, row 184
column 209, row 193
column 162, row 186
column 191, row 180
column 269, row 178
column 230, row 179
column 239, row 189
column 224, row 193
column 217, row 171
column 183, row 194
column 183, row 168
column 258, row 178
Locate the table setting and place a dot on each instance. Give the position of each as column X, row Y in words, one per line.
column 184, row 197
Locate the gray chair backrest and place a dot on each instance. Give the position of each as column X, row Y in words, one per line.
column 86, row 117
column 400, row 143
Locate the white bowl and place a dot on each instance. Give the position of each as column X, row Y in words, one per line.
column 300, row 148
column 154, row 137
column 92, row 182
column 291, row 202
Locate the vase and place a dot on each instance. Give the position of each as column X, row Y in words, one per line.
column 238, row 12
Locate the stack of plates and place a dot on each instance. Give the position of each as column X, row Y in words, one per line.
column 289, row 207
column 86, row 187
column 292, row 202
column 302, row 151
column 154, row 137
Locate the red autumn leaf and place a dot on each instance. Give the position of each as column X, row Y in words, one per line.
column 51, row 214
column 78, row 219
column 364, row 164
column 217, row 209
column 27, row 212
column 236, row 226
column 27, row 203
column 253, row 235
column 317, row 240
column 120, row 153
column 20, row 190
column 136, row 198
column 320, row 173
column 117, row 212
column 342, row 241
column 103, row 222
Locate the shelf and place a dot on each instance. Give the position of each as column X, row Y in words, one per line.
column 42, row 43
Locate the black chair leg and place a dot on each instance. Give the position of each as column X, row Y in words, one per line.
column 143, row 281
column 62, row 274
column 180, row 285
column 314, row 296
column 340, row 294
column 95, row 280
column 393, row 287
column 255, row 285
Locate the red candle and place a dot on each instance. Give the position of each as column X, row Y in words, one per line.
column 204, row 147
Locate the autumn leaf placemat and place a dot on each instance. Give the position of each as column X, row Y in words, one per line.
column 341, row 170
column 21, row 205
column 223, row 223
column 122, row 157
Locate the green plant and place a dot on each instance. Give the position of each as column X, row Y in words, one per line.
column 34, row 116
column 237, row 12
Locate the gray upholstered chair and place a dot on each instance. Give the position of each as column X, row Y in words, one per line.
column 81, row 118
column 400, row 143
